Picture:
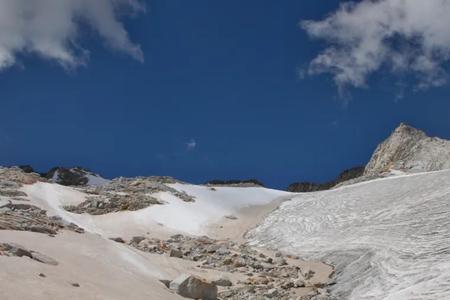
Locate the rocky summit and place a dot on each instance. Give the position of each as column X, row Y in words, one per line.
column 406, row 150
column 410, row 150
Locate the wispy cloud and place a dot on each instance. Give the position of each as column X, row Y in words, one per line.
column 191, row 145
column 51, row 28
column 401, row 36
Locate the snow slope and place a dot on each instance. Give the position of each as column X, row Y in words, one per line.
column 175, row 215
column 104, row 269
column 388, row 238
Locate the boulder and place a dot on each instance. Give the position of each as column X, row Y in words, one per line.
column 192, row 287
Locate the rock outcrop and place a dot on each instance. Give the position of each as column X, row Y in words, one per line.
column 74, row 177
column 15, row 177
column 126, row 194
column 26, row 217
column 303, row 187
column 10, row 249
column 410, row 150
column 235, row 183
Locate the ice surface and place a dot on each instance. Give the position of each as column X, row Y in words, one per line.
column 388, row 238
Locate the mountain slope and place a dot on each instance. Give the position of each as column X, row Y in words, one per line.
column 174, row 215
column 116, row 251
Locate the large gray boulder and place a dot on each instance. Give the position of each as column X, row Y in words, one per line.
column 192, row 287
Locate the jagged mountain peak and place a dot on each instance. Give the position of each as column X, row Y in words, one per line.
column 408, row 131
column 410, row 150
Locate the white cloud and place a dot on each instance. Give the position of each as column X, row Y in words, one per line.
column 51, row 28
column 191, row 145
column 409, row 37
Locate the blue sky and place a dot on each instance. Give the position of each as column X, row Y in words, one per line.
column 218, row 96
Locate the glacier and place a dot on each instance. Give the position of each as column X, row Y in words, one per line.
column 389, row 238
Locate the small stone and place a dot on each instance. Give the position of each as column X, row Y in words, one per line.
column 137, row 239
column 298, row 283
column 271, row 293
column 222, row 282
column 42, row 275
column 237, row 263
column 76, row 284
column 280, row 261
column 212, row 248
column 165, row 282
column 176, row 253
column 118, row 240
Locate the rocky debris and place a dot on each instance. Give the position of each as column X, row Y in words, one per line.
column 235, row 182
column 262, row 273
column 14, row 178
column 346, row 175
column 410, row 150
column 140, row 185
column 26, row 217
column 12, row 193
column 193, row 287
column 11, row 249
column 114, row 203
column 10, row 188
column 126, row 194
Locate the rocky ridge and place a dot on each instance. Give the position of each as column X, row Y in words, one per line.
column 122, row 194
column 235, row 183
column 346, row 175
